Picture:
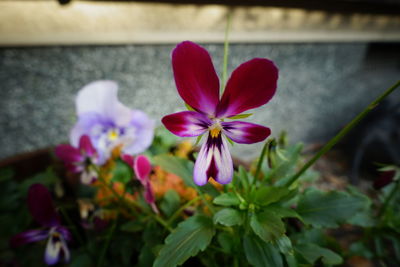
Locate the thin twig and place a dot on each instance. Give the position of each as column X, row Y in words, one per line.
column 343, row 132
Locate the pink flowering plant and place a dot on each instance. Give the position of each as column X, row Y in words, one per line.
column 123, row 193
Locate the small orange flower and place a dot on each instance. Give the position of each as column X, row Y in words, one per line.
column 162, row 181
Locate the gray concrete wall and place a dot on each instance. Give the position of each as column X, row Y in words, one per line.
column 321, row 87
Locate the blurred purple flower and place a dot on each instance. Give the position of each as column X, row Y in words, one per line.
column 109, row 123
column 42, row 210
column 385, row 178
column 251, row 85
column 81, row 159
column 142, row 169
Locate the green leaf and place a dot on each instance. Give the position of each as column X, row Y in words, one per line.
column 360, row 249
column 284, row 244
column 225, row 241
column 122, row 172
column 230, row 141
column 189, row 107
column 80, row 260
column 228, row 217
column 364, row 217
column 6, row 174
column 267, row 225
column 170, row 202
column 260, row 253
column 190, row 237
column 322, row 209
column 283, row 212
column 198, row 139
column 227, row 199
column 268, row 195
column 146, row 256
column 178, row 166
column 132, row 226
column 285, row 166
column 243, row 178
column 312, row 253
column 240, row 116
column 46, row 178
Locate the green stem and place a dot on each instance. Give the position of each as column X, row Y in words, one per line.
column 127, row 205
column 389, row 198
column 179, row 211
column 226, row 51
column 210, row 207
column 343, row 132
column 107, row 243
column 260, row 161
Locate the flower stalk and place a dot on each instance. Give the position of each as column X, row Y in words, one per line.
column 226, row 51
column 343, row 132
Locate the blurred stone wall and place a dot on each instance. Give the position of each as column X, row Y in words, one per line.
column 321, row 87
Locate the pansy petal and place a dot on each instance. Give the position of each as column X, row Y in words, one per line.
column 149, row 196
column 142, row 168
column 86, row 145
column 68, row 153
column 245, row 132
column 195, row 77
column 64, row 232
column 129, row 159
column 214, row 160
column 91, row 124
column 65, row 251
column 251, row 85
column 101, row 97
column 41, row 206
column 88, row 176
column 138, row 134
column 53, row 250
column 74, row 168
column 28, row 237
column 186, row 123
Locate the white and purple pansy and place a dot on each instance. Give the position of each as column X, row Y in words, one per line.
column 43, row 212
column 81, row 159
column 109, row 123
column 251, row 85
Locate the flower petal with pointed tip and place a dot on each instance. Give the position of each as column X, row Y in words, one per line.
column 86, row 145
column 149, row 196
column 251, row 85
column 102, row 97
column 68, row 153
column 214, row 160
column 41, row 206
column 187, row 123
column 129, row 159
column 55, row 248
column 245, row 132
column 195, row 77
column 28, row 237
column 142, row 168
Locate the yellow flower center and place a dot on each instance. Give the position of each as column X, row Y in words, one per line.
column 215, row 129
column 113, row 135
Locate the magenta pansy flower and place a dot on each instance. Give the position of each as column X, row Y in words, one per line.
column 251, row 85
column 142, row 168
column 42, row 210
column 80, row 159
column 109, row 123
